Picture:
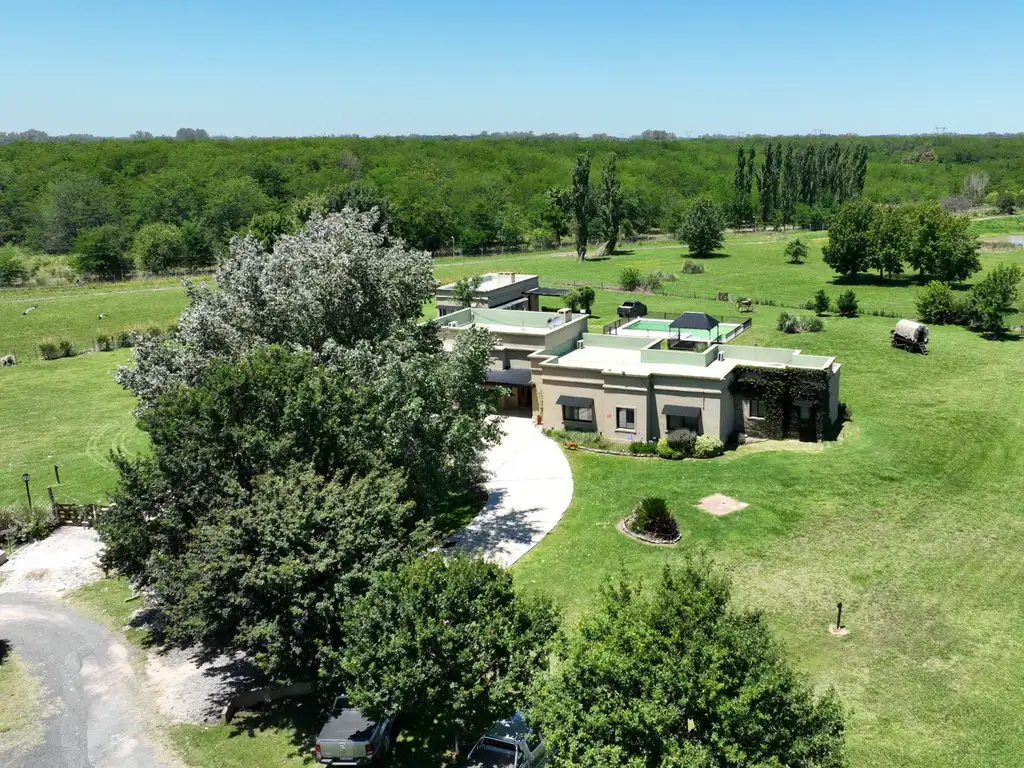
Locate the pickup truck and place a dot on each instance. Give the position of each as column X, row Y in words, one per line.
column 509, row 744
column 632, row 309
column 350, row 738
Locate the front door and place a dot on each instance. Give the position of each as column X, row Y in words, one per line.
column 524, row 397
column 806, row 426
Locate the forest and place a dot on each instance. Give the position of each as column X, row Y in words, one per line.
column 161, row 201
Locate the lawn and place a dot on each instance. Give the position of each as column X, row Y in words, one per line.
column 751, row 265
column 20, row 705
column 66, row 412
column 913, row 521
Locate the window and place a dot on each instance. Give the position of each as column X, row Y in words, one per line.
column 625, row 418
column 673, row 422
column 577, row 413
column 805, row 412
column 757, row 409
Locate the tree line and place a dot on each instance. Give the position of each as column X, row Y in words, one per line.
column 462, row 194
column 310, row 443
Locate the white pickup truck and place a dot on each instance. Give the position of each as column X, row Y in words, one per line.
column 509, row 744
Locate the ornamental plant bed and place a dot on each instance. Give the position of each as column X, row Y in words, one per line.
column 623, row 527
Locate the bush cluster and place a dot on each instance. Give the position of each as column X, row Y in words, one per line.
column 630, row 278
column 641, row 448
column 652, row 517
column 682, row 440
column 55, row 348
column 21, row 525
column 707, row 447
column 789, row 323
column 938, row 305
column 104, row 343
column 681, row 443
column 691, row 267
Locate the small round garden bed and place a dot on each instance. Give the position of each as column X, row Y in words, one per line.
column 651, row 522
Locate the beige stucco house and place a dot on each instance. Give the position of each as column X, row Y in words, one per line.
column 499, row 290
column 636, row 389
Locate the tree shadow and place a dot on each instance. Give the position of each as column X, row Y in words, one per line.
column 1001, row 336
column 301, row 717
column 706, row 256
column 495, row 526
column 5, row 649
column 597, row 258
column 622, row 252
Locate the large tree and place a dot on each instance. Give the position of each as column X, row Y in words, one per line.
column 993, row 298
column 849, row 242
column 555, row 210
column 101, row 251
column 306, row 433
column 702, row 227
column 158, row 247
column 68, row 206
column 942, row 246
column 610, row 203
column 581, row 204
column 674, row 675
column 447, row 642
column 890, row 236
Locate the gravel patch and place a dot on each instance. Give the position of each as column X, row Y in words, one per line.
column 67, row 559
column 189, row 689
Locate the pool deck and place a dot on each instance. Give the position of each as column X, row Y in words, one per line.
column 725, row 331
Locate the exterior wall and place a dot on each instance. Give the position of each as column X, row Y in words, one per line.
column 833, row 394
column 710, row 397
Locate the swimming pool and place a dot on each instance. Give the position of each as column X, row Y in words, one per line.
column 654, row 328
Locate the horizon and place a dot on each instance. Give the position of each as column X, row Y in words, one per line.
column 321, row 69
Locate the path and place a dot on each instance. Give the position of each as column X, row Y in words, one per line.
column 529, row 488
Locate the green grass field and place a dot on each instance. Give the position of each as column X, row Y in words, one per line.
column 913, row 520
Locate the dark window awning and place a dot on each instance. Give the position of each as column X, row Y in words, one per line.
column 695, row 321
column 578, row 402
column 803, row 403
column 512, row 377
column 680, row 410
column 542, row 291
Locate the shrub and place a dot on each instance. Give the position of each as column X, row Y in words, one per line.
column 845, row 412
column 821, row 302
column 665, row 451
column 788, row 323
column 172, row 329
column 630, row 278
column 707, row 447
column 642, row 448
column 67, row 349
column 12, row 268
column 104, row 343
column 847, row 303
column 20, row 525
column 691, row 267
column 49, row 349
column 653, row 517
column 651, row 282
column 125, row 339
column 812, row 324
column 154, row 332
column 937, row 304
column 682, row 440
column 796, row 251
column 6, row 361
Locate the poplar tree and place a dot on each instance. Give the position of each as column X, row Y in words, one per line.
column 740, row 196
column 748, row 185
column 790, row 187
column 581, row 204
column 610, row 203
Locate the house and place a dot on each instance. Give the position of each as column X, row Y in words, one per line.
column 517, row 336
column 632, row 388
column 499, row 290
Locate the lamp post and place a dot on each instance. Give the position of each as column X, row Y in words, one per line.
column 27, row 491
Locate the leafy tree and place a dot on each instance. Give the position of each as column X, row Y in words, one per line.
column 789, row 187
column 306, row 434
column 101, row 251
column 171, row 195
column 768, row 184
column 158, row 247
column 821, row 302
column 12, row 266
column 555, row 212
column 201, row 247
column 580, row 296
column 447, row 642
column 71, row 205
column 849, row 243
column 846, row 304
column 796, row 251
column 937, row 304
column 304, row 208
column 267, row 227
column 610, row 203
column 942, row 246
column 674, row 675
column 993, row 298
column 233, row 202
column 1006, row 203
column 890, row 236
column 581, row 204
column 464, row 291
column 702, row 228
column 363, row 196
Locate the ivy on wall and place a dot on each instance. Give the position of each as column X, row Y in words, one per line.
column 780, row 389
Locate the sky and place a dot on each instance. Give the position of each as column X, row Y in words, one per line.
column 298, row 68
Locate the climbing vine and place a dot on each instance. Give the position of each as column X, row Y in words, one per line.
column 780, row 389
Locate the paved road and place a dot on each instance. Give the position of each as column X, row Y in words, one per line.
column 530, row 487
column 86, row 671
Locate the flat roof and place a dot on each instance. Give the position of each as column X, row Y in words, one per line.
column 542, row 291
column 507, row 320
column 491, row 280
column 630, row 362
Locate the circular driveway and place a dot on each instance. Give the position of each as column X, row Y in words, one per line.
column 529, row 487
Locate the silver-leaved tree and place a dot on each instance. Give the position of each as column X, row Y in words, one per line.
column 307, row 434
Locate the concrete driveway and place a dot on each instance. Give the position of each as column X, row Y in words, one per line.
column 529, row 488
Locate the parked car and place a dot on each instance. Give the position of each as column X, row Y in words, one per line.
column 632, row 309
column 509, row 744
column 350, row 738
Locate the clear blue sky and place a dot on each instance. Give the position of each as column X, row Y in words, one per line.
column 381, row 67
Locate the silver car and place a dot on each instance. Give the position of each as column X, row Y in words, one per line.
column 509, row 744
